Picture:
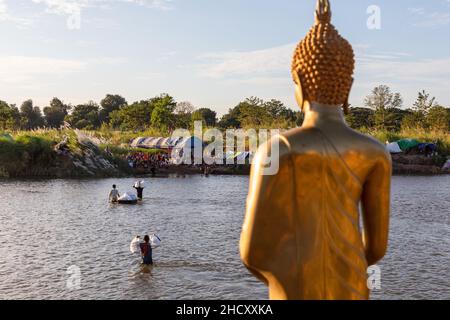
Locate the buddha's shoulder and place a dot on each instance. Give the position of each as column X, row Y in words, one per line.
column 368, row 143
column 301, row 140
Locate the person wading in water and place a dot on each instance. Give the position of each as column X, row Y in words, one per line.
column 139, row 188
column 114, row 194
column 146, row 251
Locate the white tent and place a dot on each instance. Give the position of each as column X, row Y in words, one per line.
column 243, row 156
column 189, row 142
column 393, row 147
column 136, row 142
column 167, row 143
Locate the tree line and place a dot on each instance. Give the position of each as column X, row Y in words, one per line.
column 383, row 110
column 161, row 113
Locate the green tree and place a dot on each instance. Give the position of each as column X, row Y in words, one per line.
column 163, row 117
column 359, row 118
column 183, row 114
column 85, row 116
column 208, row 116
column 31, row 117
column 254, row 112
column 397, row 116
column 421, row 107
column 279, row 115
column 383, row 101
column 251, row 113
column 438, row 118
column 9, row 117
column 230, row 120
column 109, row 104
column 55, row 113
column 136, row 116
column 424, row 103
column 411, row 120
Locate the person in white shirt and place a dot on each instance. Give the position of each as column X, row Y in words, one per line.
column 114, row 194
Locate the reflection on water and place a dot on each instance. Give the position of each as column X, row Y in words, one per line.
column 48, row 226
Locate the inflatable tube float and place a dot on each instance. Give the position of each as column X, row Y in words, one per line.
column 127, row 198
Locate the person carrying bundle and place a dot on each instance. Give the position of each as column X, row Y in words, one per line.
column 139, row 186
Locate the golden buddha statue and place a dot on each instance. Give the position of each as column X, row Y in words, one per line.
column 302, row 234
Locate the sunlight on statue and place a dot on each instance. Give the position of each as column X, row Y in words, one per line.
column 302, row 234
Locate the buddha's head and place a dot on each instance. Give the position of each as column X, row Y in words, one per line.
column 323, row 63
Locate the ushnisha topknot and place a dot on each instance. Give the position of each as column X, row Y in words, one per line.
column 324, row 62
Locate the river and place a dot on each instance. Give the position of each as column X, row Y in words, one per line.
column 58, row 231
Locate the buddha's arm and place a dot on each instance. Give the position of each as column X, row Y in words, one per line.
column 249, row 243
column 376, row 206
column 261, row 225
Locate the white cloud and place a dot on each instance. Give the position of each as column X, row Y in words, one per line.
column 271, row 67
column 5, row 15
column 17, row 69
column 247, row 64
column 276, row 61
column 430, row 19
column 418, row 11
column 23, row 70
column 73, row 7
column 63, row 7
column 3, row 8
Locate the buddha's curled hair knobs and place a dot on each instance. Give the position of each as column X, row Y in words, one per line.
column 323, row 62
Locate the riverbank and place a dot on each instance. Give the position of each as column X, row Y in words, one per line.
column 76, row 154
column 57, row 154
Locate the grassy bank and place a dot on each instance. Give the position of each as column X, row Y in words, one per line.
column 118, row 141
column 56, row 153
column 441, row 138
column 25, row 154
column 32, row 153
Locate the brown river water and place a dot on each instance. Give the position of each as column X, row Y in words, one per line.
column 50, row 227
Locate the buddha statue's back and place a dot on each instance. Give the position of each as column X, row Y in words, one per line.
column 302, row 233
column 306, row 233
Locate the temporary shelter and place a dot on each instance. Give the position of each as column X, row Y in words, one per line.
column 167, row 143
column 393, row 148
column 407, row 144
column 189, row 142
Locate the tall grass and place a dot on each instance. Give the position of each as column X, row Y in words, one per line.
column 25, row 154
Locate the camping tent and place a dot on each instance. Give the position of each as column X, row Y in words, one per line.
column 394, row 148
column 407, row 144
column 242, row 157
column 189, row 142
column 167, row 143
column 237, row 157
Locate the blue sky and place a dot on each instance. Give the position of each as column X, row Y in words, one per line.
column 213, row 53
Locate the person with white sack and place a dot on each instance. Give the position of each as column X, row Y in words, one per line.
column 139, row 186
column 145, row 248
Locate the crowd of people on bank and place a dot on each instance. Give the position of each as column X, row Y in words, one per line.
column 142, row 160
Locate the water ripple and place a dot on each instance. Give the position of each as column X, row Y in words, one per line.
column 48, row 226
